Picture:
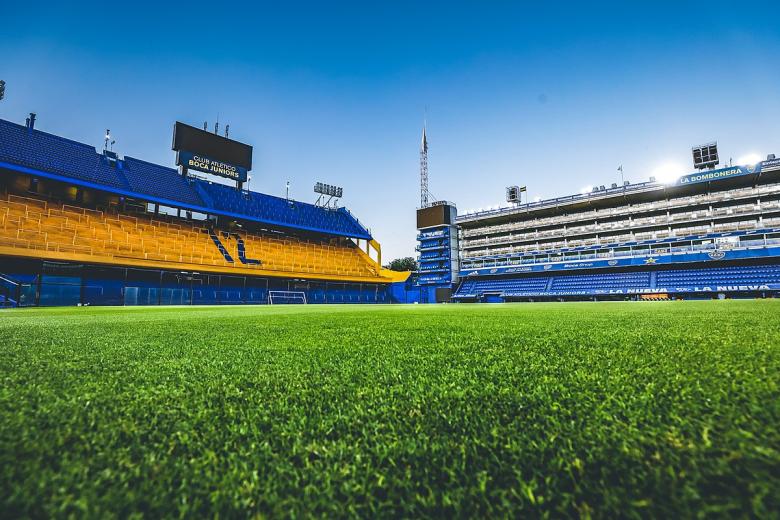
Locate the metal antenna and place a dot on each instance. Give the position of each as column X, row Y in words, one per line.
column 424, row 168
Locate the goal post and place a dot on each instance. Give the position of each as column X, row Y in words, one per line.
column 286, row 297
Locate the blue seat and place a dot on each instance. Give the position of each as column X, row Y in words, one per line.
column 70, row 159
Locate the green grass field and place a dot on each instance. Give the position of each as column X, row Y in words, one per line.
column 607, row 409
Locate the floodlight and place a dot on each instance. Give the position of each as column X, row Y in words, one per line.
column 705, row 156
column 327, row 190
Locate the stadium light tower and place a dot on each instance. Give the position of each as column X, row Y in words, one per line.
column 2, row 89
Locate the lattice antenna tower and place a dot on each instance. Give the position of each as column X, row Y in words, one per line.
column 424, row 169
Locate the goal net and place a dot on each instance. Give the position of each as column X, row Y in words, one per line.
column 281, row 297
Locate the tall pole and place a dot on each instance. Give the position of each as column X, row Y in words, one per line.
column 424, row 171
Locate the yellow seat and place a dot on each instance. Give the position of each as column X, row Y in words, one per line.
column 38, row 224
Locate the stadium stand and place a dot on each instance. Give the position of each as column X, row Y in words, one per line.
column 157, row 181
column 25, row 146
column 35, row 152
column 713, row 233
column 280, row 211
column 506, row 287
column 82, row 227
column 38, row 225
column 740, row 279
column 720, row 276
column 606, row 281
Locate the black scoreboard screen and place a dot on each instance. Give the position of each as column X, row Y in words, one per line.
column 437, row 215
column 187, row 138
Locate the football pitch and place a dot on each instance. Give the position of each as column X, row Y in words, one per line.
column 584, row 409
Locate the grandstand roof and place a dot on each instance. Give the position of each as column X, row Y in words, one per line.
column 38, row 153
column 724, row 178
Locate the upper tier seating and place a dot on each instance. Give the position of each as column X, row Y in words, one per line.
column 80, row 162
column 278, row 210
column 158, row 181
column 32, row 225
column 43, row 151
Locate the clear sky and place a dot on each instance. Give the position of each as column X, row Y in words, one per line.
column 544, row 94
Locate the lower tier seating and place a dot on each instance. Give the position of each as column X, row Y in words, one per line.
column 506, row 287
column 733, row 278
column 605, row 281
column 735, row 275
column 36, row 225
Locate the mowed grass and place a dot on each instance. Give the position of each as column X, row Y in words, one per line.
column 611, row 409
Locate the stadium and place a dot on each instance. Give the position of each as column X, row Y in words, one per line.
column 715, row 233
column 182, row 335
column 83, row 227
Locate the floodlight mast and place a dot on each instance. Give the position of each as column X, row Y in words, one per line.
column 2, row 89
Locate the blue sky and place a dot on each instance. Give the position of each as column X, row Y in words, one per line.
column 553, row 97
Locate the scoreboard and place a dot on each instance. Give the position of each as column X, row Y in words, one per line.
column 436, row 215
column 200, row 150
